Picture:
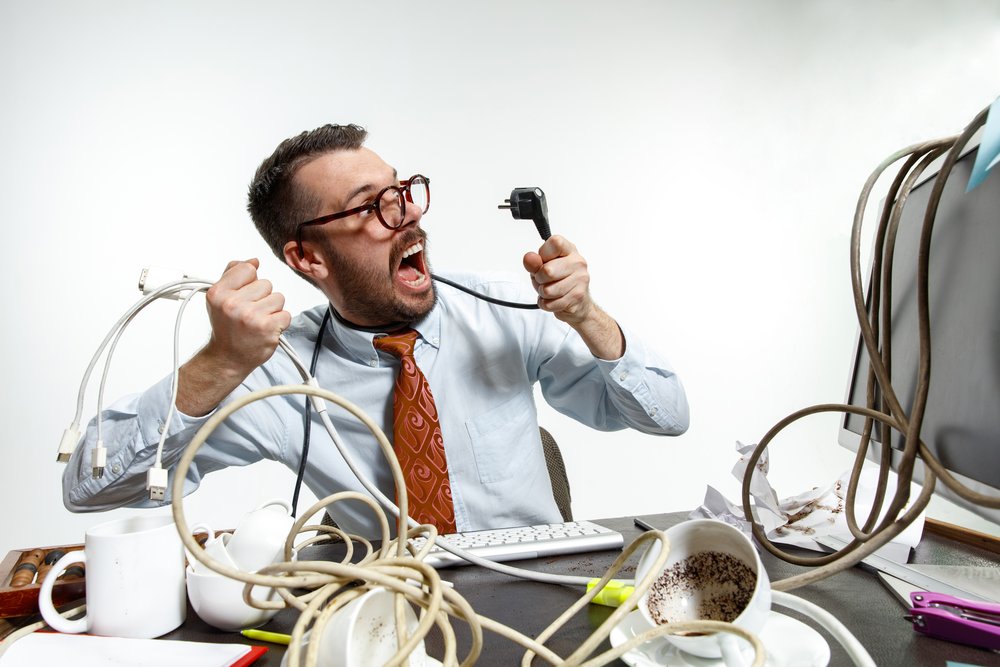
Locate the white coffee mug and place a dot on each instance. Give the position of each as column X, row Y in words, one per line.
column 363, row 633
column 708, row 546
column 134, row 581
column 260, row 535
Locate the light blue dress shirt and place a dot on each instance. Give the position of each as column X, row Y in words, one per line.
column 481, row 361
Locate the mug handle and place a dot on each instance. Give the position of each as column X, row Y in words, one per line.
column 203, row 527
column 278, row 501
column 729, row 645
column 56, row 620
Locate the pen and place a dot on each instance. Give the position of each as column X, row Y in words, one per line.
column 265, row 636
column 642, row 524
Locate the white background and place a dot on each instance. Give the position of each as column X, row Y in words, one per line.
column 705, row 156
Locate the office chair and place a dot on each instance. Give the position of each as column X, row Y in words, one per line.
column 557, row 477
column 557, row 474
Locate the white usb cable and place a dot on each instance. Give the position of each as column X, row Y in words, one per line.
column 156, row 477
column 71, row 436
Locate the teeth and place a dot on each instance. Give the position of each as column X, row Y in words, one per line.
column 416, row 282
column 413, row 249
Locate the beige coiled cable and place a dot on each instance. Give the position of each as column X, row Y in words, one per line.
column 331, row 585
column 883, row 406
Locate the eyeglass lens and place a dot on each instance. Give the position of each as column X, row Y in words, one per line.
column 418, row 192
column 392, row 206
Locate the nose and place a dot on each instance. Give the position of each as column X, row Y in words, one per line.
column 412, row 213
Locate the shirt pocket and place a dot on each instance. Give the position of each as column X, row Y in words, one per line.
column 500, row 435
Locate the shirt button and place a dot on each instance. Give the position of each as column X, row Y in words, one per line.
column 160, row 427
column 373, row 363
column 653, row 412
column 623, row 376
column 116, row 468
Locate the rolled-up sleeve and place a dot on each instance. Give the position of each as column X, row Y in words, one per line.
column 640, row 390
column 130, row 431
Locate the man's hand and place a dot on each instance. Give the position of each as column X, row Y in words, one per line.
column 560, row 276
column 247, row 317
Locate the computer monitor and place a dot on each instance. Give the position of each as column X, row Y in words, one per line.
column 962, row 422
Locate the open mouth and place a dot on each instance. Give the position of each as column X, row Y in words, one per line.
column 412, row 270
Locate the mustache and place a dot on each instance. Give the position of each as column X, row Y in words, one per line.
column 405, row 240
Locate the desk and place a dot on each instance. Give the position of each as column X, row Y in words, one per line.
column 855, row 597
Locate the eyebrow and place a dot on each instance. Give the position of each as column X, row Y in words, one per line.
column 368, row 187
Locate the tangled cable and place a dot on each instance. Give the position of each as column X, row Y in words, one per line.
column 882, row 404
column 397, row 567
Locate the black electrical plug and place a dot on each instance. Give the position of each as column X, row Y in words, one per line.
column 529, row 204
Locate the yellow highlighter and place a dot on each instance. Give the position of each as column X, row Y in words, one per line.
column 265, row 636
column 613, row 594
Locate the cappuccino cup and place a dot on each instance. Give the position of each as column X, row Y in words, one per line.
column 714, row 573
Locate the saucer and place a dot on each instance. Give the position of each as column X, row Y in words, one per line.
column 788, row 642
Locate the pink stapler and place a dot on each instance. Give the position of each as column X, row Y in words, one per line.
column 956, row 619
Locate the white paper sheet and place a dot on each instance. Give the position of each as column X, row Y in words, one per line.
column 53, row 648
column 796, row 520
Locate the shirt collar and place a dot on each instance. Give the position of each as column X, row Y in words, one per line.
column 357, row 344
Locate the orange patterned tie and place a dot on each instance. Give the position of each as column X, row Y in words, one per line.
column 417, row 437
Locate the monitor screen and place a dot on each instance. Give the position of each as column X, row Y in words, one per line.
column 962, row 422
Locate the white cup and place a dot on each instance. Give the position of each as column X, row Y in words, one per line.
column 218, row 600
column 260, row 535
column 743, row 589
column 134, row 580
column 216, row 546
column 363, row 633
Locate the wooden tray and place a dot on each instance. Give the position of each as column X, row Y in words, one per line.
column 23, row 601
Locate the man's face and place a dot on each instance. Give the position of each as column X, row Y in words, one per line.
column 376, row 275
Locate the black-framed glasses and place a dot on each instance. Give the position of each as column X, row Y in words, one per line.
column 389, row 205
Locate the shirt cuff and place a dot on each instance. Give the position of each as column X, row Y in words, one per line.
column 630, row 376
column 152, row 414
column 626, row 371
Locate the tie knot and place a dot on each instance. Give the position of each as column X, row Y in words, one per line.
column 398, row 344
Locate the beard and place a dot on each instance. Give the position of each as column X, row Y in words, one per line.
column 369, row 290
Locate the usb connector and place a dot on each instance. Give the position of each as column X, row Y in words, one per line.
column 156, row 483
column 98, row 459
column 67, row 445
column 154, row 277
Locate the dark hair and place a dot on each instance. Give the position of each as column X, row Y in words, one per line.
column 275, row 204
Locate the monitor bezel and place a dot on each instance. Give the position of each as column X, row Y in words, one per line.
column 852, row 441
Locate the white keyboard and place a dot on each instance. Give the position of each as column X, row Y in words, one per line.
column 524, row 542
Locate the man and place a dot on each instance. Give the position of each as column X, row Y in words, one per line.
column 338, row 215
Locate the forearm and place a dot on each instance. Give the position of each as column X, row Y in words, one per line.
column 602, row 335
column 205, row 380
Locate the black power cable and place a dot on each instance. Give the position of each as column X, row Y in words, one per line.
column 524, row 203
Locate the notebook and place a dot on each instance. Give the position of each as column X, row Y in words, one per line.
column 53, row 648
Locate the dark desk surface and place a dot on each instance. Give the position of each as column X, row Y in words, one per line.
column 855, row 597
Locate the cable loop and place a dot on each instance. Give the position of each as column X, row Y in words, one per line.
column 882, row 404
column 330, row 585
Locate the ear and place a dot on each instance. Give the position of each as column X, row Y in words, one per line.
column 310, row 263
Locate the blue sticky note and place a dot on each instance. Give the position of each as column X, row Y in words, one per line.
column 989, row 147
